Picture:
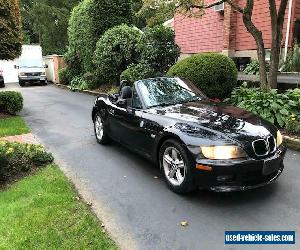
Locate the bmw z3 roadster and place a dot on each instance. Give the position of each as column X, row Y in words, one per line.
column 195, row 142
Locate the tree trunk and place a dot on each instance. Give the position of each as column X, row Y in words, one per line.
column 257, row 35
column 261, row 54
column 275, row 57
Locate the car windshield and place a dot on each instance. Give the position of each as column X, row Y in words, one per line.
column 31, row 63
column 167, row 91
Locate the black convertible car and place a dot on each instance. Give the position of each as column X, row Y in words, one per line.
column 196, row 142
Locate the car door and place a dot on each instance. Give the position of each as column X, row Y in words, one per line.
column 129, row 126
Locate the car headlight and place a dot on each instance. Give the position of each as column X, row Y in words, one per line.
column 223, row 152
column 21, row 74
column 279, row 139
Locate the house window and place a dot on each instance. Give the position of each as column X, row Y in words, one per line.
column 297, row 31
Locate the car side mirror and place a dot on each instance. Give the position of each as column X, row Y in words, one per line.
column 16, row 66
column 122, row 103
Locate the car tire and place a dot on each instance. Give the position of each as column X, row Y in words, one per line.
column 100, row 130
column 173, row 154
column 22, row 84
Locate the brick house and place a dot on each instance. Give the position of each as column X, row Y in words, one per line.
column 222, row 30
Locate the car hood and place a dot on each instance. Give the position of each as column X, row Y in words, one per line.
column 228, row 120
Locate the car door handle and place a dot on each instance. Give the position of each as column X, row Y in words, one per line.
column 111, row 111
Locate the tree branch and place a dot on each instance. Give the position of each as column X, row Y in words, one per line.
column 281, row 12
column 195, row 6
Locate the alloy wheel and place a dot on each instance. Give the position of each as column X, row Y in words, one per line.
column 174, row 166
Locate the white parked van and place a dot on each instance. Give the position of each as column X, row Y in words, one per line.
column 30, row 66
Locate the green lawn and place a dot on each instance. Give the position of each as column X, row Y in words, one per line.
column 13, row 126
column 42, row 212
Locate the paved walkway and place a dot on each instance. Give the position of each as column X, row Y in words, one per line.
column 26, row 138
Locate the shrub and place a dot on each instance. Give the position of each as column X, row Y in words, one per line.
column 292, row 64
column 78, row 82
column 88, row 22
column 158, row 48
column 253, row 68
column 16, row 158
column 138, row 72
column 293, row 124
column 11, row 102
column 115, row 50
column 214, row 74
column 64, row 77
column 272, row 106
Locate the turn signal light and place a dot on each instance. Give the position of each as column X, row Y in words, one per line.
column 203, row 167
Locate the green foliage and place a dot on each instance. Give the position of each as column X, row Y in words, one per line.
column 46, row 22
column 293, row 124
column 156, row 12
column 272, row 106
column 78, row 82
column 292, row 64
column 10, row 30
column 64, row 77
column 115, row 50
column 89, row 20
column 158, row 48
column 214, row 74
column 253, row 68
column 11, row 102
column 138, row 72
column 16, row 158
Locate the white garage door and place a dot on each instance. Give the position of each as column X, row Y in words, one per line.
column 10, row 74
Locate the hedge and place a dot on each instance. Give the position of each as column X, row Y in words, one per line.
column 11, row 102
column 137, row 72
column 115, row 50
column 215, row 74
column 158, row 48
column 89, row 20
column 16, row 158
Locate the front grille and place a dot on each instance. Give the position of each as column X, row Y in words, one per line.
column 33, row 74
column 260, row 147
column 263, row 147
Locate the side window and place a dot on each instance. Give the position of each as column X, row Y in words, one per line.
column 136, row 102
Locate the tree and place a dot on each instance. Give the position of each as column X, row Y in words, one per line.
column 46, row 22
column 115, row 51
column 89, row 20
column 197, row 8
column 156, row 12
column 158, row 48
column 10, row 30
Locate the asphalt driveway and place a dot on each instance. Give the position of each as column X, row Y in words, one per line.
column 135, row 206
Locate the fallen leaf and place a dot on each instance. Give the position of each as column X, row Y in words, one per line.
column 184, row 223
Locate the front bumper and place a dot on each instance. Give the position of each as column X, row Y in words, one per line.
column 227, row 176
column 32, row 78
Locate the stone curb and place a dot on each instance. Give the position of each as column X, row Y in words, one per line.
column 291, row 142
column 89, row 92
